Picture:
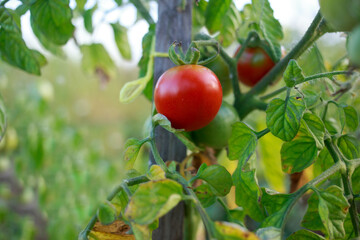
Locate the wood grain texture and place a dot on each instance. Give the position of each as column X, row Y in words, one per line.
column 173, row 24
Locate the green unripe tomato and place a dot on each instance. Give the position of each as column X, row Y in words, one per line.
column 353, row 46
column 217, row 133
column 221, row 70
column 341, row 15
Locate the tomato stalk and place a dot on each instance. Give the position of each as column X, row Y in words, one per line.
column 306, row 79
column 346, row 178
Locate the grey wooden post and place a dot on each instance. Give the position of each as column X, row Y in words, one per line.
column 173, row 24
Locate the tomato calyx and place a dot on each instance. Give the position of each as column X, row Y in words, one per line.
column 192, row 55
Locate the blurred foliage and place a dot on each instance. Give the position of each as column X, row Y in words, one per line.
column 65, row 136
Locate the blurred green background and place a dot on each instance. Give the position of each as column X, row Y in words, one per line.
column 62, row 152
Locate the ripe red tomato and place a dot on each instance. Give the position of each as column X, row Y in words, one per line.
column 189, row 96
column 253, row 64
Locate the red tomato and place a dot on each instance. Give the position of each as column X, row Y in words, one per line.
column 253, row 64
column 189, row 96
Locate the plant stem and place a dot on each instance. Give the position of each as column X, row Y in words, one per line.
column 339, row 166
column 143, row 11
column 309, row 78
column 128, row 182
column 158, row 159
column 209, row 225
column 262, row 133
column 346, row 179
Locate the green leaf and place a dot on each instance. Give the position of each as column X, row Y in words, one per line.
column 179, row 133
column 218, row 178
column 144, row 232
column 312, row 62
column 351, row 118
column 143, row 63
column 153, row 200
column 50, row 46
column 106, row 213
column 119, row 2
column 121, row 40
column 53, row 19
column 349, row 146
column 232, row 231
column 283, row 117
column 326, row 212
column 248, row 193
column 132, row 148
column 242, row 143
column 269, row 233
column 97, row 61
column 305, row 234
column 80, row 4
column 298, row 154
column 269, row 26
column 293, row 74
column 22, row 9
column 335, row 118
column 120, row 201
column 155, row 173
column 3, row 121
column 87, row 16
column 205, row 195
column 230, row 24
column 311, row 97
column 277, row 206
column 214, row 14
column 314, row 128
column 10, row 20
column 14, row 51
column 323, row 162
column 198, row 15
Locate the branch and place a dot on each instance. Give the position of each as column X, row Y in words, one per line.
column 346, row 176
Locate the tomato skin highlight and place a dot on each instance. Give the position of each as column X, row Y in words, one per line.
column 189, row 96
column 253, row 64
column 217, row 133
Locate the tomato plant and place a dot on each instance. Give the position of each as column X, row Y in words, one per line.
column 217, row 133
column 292, row 152
column 189, row 96
column 253, row 64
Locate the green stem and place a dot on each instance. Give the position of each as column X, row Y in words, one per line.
column 160, row 54
column 339, row 166
column 346, row 179
column 143, row 11
column 262, row 133
column 158, row 159
column 209, row 225
column 309, row 78
column 128, row 182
